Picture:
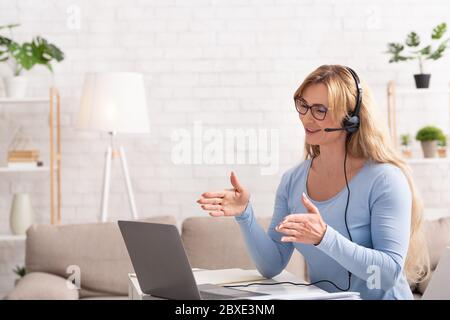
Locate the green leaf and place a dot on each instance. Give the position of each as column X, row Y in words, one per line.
column 10, row 26
column 28, row 54
column 437, row 54
column 425, row 50
column 439, row 31
column 4, row 41
column 395, row 49
column 412, row 39
column 429, row 133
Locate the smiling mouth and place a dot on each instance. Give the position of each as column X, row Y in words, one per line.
column 312, row 131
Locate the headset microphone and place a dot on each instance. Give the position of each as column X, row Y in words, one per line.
column 333, row 129
column 346, row 128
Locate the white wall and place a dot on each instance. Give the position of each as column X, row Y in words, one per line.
column 228, row 64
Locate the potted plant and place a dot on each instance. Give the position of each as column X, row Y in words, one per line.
column 24, row 56
column 412, row 41
column 406, row 141
column 429, row 137
column 20, row 272
column 442, row 146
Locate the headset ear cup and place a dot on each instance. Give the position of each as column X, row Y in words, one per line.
column 351, row 124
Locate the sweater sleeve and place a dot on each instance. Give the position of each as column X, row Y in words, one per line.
column 390, row 208
column 269, row 254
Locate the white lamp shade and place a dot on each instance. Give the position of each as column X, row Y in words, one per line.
column 113, row 102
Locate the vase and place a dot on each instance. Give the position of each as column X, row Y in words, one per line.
column 22, row 216
column 16, row 87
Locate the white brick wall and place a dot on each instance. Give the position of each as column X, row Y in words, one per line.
column 229, row 64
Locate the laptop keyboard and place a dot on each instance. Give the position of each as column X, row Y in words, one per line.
column 205, row 295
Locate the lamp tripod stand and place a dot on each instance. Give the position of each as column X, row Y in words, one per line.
column 111, row 153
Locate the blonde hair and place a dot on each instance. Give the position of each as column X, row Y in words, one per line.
column 370, row 142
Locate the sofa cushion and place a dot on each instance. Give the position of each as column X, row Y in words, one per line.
column 437, row 234
column 217, row 243
column 42, row 286
column 96, row 248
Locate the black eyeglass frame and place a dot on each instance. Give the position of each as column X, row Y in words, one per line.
column 314, row 108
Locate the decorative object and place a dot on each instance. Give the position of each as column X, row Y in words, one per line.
column 22, row 216
column 442, row 147
column 394, row 92
column 53, row 101
column 20, row 271
column 20, row 151
column 114, row 102
column 425, row 53
column 429, row 137
column 24, row 56
column 405, row 142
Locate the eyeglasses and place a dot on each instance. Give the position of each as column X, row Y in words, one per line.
column 318, row 111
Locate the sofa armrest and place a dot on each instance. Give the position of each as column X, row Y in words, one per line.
column 42, row 286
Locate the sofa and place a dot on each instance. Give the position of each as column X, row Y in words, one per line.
column 97, row 253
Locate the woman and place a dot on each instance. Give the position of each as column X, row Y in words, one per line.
column 369, row 242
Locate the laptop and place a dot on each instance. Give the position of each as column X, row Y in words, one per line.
column 439, row 286
column 162, row 267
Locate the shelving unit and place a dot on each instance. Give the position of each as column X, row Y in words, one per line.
column 392, row 93
column 54, row 167
column 12, row 237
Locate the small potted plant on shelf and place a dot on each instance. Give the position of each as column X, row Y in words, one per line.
column 412, row 41
column 429, row 137
column 406, row 141
column 442, row 146
column 24, row 56
column 20, row 272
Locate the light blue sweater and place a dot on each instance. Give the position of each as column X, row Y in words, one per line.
column 378, row 217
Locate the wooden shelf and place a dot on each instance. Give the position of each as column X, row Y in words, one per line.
column 11, row 237
column 423, row 91
column 54, row 164
column 24, row 100
column 393, row 92
column 30, row 169
column 427, row 160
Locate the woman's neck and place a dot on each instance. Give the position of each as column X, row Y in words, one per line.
column 330, row 161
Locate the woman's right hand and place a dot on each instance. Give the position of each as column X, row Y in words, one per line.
column 229, row 202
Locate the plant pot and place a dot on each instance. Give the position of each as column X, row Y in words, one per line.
column 422, row 80
column 442, row 152
column 16, row 87
column 407, row 153
column 429, row 148
column 21, row 217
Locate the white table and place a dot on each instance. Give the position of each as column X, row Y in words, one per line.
column 285, row 291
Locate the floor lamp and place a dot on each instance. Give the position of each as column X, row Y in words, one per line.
column 114, row 102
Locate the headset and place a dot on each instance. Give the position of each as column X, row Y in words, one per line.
column 350, row 124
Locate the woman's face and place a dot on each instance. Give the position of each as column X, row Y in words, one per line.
column 317, row 95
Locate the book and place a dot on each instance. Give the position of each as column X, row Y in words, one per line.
column 22, row 165
column 23, row 159
column 23, row 153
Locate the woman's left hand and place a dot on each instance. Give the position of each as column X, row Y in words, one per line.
column 306, row 228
